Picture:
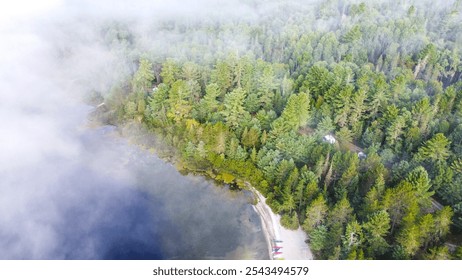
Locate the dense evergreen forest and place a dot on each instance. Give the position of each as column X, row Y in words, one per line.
column 250, row 99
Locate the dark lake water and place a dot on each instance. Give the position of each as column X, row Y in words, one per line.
column 160, row 214
column 112, row 200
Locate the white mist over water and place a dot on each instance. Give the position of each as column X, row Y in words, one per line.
column 70, row 192
column 64, row 188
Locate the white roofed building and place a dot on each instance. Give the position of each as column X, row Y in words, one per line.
column 329, row 139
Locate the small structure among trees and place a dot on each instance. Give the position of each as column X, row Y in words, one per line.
column 329, row 139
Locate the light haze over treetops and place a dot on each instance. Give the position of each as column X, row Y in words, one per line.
column 246, row 90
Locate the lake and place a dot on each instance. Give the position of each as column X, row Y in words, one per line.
column 108, row 199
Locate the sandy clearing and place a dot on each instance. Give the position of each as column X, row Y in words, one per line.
column 293, row 241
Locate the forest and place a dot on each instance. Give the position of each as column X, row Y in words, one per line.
column 345, row 115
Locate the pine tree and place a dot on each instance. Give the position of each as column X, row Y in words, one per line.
column 318, row 238
column 442, row 222
column 180, row 107
column 353, row 237
column 266, row 85
column 435, row 149
column 316, row 212
column 426, row 227
column 234, row 107
column 394, row 131
column 170, row 72
column 376, row 229
column 251, row 137
column 421, row 185
column 409, row 239
column 209, row 103
column 397, row 202
column 340, row 214
column 295, row 114
column 378, row 97
column 342, row 106
column 319, row 80
column 190, row 72
column 143, row 78
column 372, row 201
column 422, row 114
column 357, row 107
column 159, row 105
column 325, row 126
column 438, row 253
column 222, row 76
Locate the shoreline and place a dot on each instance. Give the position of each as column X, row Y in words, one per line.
column 293, row 245
column 293, row 241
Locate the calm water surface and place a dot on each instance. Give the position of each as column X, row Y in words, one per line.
column 112, row 200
